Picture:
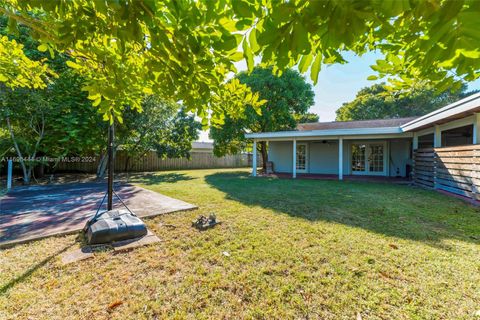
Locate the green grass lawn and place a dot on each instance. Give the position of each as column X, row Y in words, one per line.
column 296, row 249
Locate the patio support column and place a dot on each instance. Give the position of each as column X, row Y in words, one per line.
column 476, row 129
column 415, row 141
column 254, row 158
column 437, row 137
column 340, row 158
column 294, row 153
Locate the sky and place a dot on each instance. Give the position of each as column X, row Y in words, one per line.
column 338, row 84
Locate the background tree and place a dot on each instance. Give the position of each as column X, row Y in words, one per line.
column 306, row 118
column 53, row 122
column 26, row 127
column 53, row 119
column 376, row 102
column 288, row 96
column 163, row 126
column 58, row 121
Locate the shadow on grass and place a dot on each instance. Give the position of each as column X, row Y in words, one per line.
column 156, row 178
column 24, row 276
column 388, row 209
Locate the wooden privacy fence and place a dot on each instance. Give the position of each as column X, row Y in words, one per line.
column 423, row 167
column 453, row 169
column 151, row 162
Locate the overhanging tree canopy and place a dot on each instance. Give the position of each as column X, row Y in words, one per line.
column 185, row 49
column 17, row 70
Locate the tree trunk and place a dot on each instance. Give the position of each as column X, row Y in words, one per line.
column 102, row 166
column 127, row 162
column 41, row 133
column 263, row 150
column 26, row 176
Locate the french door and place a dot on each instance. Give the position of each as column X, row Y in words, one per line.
column 368, row 159
column 302, row 154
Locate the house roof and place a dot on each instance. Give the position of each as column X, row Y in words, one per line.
column 381, row 123
column 459, row 109
column 327, row 133
column 338, row 128
column 403, row 127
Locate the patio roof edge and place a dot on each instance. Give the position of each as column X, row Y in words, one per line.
column 325, row 133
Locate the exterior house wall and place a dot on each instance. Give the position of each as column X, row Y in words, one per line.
column 346, row 157
column 399, row 157
column 323, row 156
column 280, row 153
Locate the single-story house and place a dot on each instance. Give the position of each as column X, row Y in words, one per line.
column 384, row 147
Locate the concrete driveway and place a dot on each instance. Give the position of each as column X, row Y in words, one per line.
column 29, row 213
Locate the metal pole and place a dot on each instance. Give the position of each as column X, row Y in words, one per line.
column 294, row 159
column 340, row 158
column 9, row 174
column 111, row 137
column 254, row 159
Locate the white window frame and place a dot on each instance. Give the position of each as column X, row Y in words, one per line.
column 306, row 157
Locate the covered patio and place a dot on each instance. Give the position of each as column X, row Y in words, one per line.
column 377, row 148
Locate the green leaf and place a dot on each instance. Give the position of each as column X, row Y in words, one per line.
column 242, row 8
column 305, row 63
column 316, row 68
column 228, row 24
column 227, row 42
column 97, row 101
column 94, row 96
column 73, row 65
column 253, row 40
column 247, row 53
column 372, row 77
column 42, row 48
column 147, row 90
column 237, row 56
column 473, row 54
column 300, row 41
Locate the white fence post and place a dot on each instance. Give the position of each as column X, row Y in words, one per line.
column 9, row 174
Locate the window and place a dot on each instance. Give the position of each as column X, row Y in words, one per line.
column 425, row 141
column 301, row 157
column 458, row 136
column 358, row 157
column 368, row 158
column 375, row 160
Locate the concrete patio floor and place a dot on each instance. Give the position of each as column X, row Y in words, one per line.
column 314, row 176
column 35, row 212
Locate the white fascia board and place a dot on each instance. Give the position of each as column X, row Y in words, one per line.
column 464, row 105
column 324, row 133
column 345, row 138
